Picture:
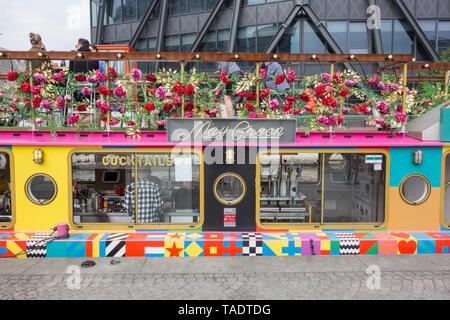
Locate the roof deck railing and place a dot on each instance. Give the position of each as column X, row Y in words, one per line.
column 54, row 97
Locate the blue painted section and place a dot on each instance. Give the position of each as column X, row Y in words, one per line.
column 7, row 147
column 61, row 249
column 2, row 250
column 445, row 124
column 444, row 229
column 402, row 164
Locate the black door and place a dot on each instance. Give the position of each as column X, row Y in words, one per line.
column 221, row 215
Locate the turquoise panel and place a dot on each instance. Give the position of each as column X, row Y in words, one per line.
column 402, row 164
column 445, row 124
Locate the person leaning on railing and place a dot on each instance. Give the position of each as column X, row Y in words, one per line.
column 83, row 66
column 274, row 69
column 36, row 45
column 231, row 70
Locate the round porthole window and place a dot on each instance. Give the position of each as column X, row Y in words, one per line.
column 415, row 189
column 229, row 189
column 336, row 161
column 41, row 189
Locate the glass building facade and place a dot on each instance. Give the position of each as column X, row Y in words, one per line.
column 259, row 21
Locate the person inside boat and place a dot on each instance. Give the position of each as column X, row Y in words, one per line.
column 150, row 203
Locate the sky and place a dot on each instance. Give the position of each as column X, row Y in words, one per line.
column 59, row 22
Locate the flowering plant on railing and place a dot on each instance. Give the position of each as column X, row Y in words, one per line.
column 324, row 98
column 384, row 99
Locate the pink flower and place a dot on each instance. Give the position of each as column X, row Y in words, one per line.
column 92, row 79
column 400, row 117
column 67, row 98
column 36, row 90
column 120, row 109
column 326, row 77
column 45, row 104
column 101, row 77
column 59, row 76
column 188, row 115
column 161, row 93
column 40, row 77
column 86, row 91
column 177, row 100
column 381, row 86
column 241, row 94
column 73, row 119
column 114, row 122
column 60, row 103
column 169, row 95
column 392, row 87
column 291, row 76
column 263, row 73
column 38, row 120
column 119, row 92
column 136, row 74
column 381, row 122
column 161, row 123
column 102, row 106
column 274, row 104
column 253, row 115
column 374, row 79
column 350, row 83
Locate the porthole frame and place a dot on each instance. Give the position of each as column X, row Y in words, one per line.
column 424, row 198
column 236, row 201
column 27, row 183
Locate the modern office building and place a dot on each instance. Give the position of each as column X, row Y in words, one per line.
column 418, row 27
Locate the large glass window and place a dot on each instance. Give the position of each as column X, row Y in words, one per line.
column 358, row 38
column 443, row 35
column 338, row 30
column 178, row 7
column 196, row 6
column 143, row 5
column 113, row 12
column 403, row 38
column 129, row 10
column 136, row 188
column 186, row 41
column 429, row 28
column 322, row 188
column 265, row 34
column 311, row 42
column 172, row 43
column 223, row 36
column 94, row 13
column 290, row 41
column 246, row 39
column 386, row 35
column 5, row 190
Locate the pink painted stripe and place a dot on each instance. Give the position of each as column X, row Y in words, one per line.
column 159, row 139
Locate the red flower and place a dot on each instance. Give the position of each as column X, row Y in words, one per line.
column 188, row 106
column 25, row 87
column 340, row 119
column 167, row 107
column 112, row 73
column 330, row 102
column 304, row 97
column 265, row 93
column 280, row 79
column 151, row 78
column 149, row 107
column 291, row 99
column 81, row 108
column 178, row 88
column 37, row 101
column 224, row 78
column 297, row 111
column 251, row 96
column 12, row 76
column 222, row 75
column 80, row 77
column 104, row 91
column 249, row 106
column 286, row 108
column 131, row 123
column 189, row 91
column 319, row 90
column 344, row 92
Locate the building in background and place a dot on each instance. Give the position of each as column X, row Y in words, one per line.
column 418, row 27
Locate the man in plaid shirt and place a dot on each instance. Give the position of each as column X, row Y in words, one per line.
column 148, row 197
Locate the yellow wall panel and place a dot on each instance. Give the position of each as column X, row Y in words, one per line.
column 405, row 217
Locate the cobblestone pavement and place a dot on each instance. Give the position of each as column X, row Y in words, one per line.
column 247, row 278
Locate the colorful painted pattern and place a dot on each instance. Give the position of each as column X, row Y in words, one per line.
column 197, row 244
